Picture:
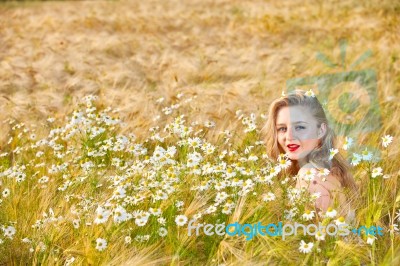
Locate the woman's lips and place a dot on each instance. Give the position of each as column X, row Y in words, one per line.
column 293, row 147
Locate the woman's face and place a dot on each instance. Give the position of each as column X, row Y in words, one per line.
column 297, row 132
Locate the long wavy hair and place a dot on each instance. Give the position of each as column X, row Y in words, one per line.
column 338, row 166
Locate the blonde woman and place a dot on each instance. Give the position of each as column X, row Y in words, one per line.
column 297, row 126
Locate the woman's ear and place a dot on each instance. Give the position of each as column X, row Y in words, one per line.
column 322, row 130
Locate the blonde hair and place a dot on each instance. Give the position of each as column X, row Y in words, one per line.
column 338, row 166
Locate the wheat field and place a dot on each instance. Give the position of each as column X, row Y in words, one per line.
column 123, row 120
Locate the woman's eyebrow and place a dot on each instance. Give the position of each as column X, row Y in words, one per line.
column 297, row 122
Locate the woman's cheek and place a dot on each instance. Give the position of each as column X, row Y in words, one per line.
column 280, row 141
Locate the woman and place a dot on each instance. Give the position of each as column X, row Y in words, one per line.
column 297, row 126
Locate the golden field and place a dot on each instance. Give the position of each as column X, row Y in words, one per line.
column 218, row 63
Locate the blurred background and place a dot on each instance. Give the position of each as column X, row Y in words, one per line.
column 232, row 54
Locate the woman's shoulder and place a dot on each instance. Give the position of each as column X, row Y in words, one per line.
column 328, row 185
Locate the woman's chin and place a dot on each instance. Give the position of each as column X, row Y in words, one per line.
column 293, row 157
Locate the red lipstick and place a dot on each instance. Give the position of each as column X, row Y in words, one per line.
column 293, row 147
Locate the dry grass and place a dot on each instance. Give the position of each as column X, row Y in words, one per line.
column 235, row 55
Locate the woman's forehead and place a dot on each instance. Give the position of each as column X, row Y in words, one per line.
column 294, row 114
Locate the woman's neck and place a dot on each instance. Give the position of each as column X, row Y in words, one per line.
column 302, row 162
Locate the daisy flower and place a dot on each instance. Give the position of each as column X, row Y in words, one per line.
column 179, row 203
column 284, row 163
column 306, row 247
column 308, row 174
column 76, row 223
column 194, row 159
column 386, row 140
column 101, row 215
column 274, row 171
column 119, row 192
column 230, row 173
column 128, row 240
column 269, row 196
column 167, row 110
column 310, row 93
column 289, row 214
column 162, row 220
column 323, row 172
column 69, row 261
column 43, row 179
column 366, row 155
column 26, row 240
column 316, row 195
column 226, row 209
column 376, row 172
column 181, row 220
column 356, row 159
column 9, row 231
column 211, row 209
column 347, row 143
column 340, row 221
column 162, row 231
column 101, row 244
column 208, row 148
column 330, row 212
column 194, row 142
column 140, row 222
column 209, row 124
column 252, row 158
column 320, row 236
column 308, row 215
column 120, row 214
column 332, row 152
column 6, row 193
column 155, row 212
column 371, row 239
column 264, row 117
column 221, row 196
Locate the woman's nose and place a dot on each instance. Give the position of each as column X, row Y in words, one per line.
column 290, row 134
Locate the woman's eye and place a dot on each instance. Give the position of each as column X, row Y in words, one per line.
column 284, row 128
